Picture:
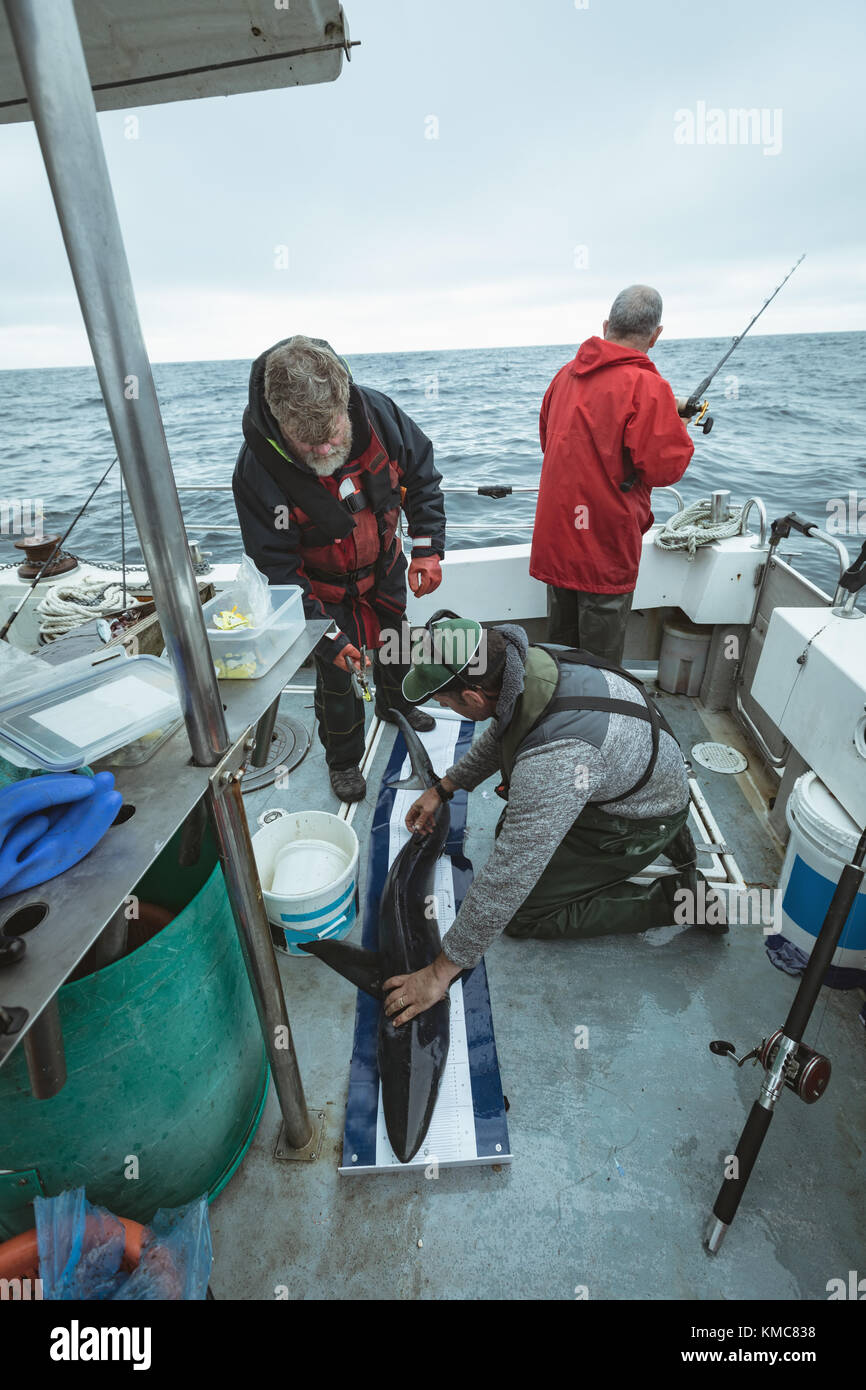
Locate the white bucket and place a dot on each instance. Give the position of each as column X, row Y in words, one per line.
column 823, row 838
column 308, row 866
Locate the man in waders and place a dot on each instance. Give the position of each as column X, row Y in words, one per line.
column 319, row 483
column 610, row 432
column 596, row 787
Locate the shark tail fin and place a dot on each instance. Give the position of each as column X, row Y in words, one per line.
column 362, row 968
column 414, row 783
column 422, row 775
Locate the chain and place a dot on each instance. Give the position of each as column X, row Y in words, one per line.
column 203, row 566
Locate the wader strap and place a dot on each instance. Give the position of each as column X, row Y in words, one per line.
column 647, row 712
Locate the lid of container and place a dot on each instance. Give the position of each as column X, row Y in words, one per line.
column 817, row 811
column 677, row 624
column 76, row 719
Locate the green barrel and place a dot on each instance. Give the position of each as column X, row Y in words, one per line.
column 166, row 1069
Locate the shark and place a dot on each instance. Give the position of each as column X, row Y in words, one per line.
column 412, row 1057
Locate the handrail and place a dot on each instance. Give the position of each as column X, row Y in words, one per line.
column 762, row 513
column 835, row 544
column 677, row 495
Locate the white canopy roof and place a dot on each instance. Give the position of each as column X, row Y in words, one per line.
column 145, row 52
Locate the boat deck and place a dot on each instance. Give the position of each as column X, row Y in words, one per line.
column 618, row 1149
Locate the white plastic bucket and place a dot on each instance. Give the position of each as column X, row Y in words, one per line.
column 308, row 866
column 823, row 838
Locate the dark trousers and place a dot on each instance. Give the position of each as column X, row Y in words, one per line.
column 582, row 893
column 595, row 622
column 340, row 711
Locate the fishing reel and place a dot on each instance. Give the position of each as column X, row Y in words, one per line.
column 807, row 1072
column 701, row 417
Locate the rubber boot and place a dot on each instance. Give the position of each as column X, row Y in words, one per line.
column 416, row 718
column 347, row 783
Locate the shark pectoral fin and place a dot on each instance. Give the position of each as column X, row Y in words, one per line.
column 362, row 968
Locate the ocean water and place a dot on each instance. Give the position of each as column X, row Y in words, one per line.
column 790, row 427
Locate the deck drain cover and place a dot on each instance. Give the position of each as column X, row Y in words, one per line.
column 719, row 757
column 288, row 746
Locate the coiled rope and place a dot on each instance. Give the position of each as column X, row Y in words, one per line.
column 69, row 603
column 694, row 526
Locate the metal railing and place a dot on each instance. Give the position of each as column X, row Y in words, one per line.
column 489, row 491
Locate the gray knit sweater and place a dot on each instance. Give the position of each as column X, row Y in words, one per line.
column 545, row 798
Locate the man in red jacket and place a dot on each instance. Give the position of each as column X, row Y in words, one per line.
column 611, row 432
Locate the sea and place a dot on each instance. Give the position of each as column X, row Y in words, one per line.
column 789, row 412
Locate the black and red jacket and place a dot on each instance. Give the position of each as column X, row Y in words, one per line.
column 297, row 530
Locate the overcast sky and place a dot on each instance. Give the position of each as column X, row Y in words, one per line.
column 561, row 172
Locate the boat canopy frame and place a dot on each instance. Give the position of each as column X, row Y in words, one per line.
column 58, row 87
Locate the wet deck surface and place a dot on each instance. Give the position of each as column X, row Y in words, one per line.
column 618, row 1147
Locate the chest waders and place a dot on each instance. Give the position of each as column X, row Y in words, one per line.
column 584, row 891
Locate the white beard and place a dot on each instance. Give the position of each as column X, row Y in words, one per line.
column 326, row 466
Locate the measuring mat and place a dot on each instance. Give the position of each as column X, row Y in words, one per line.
column 468, row 1125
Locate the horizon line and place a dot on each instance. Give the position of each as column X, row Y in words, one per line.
column 417, row 352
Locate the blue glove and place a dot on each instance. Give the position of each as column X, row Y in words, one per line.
column 49, row 823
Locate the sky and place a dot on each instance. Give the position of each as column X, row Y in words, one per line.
column 481, row 174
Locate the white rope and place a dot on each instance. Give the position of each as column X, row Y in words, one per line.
column 70, row 603
column 694, row 526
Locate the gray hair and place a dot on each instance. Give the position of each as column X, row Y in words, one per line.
column 306, row 387
column 635, row 313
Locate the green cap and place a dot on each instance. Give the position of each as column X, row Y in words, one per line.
column 441, row 651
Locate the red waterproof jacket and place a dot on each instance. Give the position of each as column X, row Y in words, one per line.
column 607, row 416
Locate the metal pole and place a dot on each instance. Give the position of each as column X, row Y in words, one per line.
column 264, row 735
column 52, row 62
column 44, row 1053
column 230, row 822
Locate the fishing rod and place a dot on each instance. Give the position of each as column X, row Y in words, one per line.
column 696, row 408
column 786, row 1059
column 14, row 614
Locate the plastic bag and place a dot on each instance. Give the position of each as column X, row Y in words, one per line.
column 20, row 672
column 250, row 595
column 81, row 1249
column 176, row 1256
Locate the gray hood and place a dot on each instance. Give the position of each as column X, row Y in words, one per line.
column 513, row 676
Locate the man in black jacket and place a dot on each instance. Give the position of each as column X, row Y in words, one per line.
column 319, row 484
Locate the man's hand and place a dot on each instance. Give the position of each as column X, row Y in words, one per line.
column 409, row 995
column 349, row 655
column 425, row 575
column 683, row 408
column 422, row 813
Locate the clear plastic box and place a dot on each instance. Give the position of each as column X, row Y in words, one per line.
column 69, row 722
column 250, row 652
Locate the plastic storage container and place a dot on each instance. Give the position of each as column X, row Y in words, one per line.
column 249, row 652
column 75, row 721
column 308, row 865
column 823, row 838
column 683, row 656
